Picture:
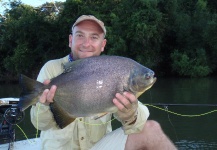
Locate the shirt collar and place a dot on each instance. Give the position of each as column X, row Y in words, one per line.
column 70, row 58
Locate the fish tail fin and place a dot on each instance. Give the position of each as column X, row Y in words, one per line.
column 30, row 91
column 61, row 117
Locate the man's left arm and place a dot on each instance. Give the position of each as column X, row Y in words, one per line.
column 131, row 113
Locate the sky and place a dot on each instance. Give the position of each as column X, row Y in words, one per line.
column 33, row 3
column 38, row 2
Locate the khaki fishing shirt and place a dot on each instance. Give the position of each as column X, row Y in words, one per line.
column 84, row 132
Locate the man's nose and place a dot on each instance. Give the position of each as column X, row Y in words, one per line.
column 87, row 42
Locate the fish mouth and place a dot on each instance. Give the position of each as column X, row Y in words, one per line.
column 154, row 79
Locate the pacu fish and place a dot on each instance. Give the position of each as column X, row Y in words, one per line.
column 87, row 87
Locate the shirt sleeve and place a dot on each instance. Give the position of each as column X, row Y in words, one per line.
column 41, row 117
column 142, row 116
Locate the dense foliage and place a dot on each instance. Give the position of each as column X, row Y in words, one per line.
column 172, row 37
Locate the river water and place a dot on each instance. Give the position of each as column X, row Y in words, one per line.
column 187, row 132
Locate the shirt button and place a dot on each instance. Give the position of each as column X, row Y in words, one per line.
column 82, row 138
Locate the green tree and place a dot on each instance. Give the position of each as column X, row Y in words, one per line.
column 191, row 26
column 171, row 37
column 27, row 40
column 139, row 35
column 190, row 67
column 210, row 38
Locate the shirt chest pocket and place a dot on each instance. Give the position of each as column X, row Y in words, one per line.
column 97, row 129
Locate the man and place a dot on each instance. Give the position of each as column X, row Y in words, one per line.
column 87, row 40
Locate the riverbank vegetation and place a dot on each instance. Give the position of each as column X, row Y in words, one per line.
column 172, row 37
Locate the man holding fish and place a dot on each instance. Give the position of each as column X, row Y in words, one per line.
column 94, row 132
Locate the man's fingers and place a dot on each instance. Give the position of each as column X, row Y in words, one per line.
column 124, row 100
column 131, row 97
column 127, row 105
column 43, row 97
column 51, row 93
column 46, row 82
column 119, row 105
column 48, row 95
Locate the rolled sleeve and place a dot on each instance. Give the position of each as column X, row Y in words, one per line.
column 142, row 116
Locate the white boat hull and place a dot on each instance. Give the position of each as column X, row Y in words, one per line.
column 31, row 144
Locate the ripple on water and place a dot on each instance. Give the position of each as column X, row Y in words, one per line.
column 186, row 144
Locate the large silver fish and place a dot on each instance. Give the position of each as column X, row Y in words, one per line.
column 87, row 87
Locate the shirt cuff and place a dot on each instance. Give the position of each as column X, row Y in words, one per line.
column 142, row 116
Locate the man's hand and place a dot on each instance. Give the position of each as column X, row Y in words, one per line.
column 47, row 96
column 127, row 105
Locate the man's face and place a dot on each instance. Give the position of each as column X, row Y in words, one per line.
column 87, row 40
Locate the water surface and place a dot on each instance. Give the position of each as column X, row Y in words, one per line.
column 186, row 132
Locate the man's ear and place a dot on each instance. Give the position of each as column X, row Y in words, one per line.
column 70, row 40
column 103, row 45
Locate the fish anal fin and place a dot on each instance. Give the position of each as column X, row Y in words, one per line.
column 100, row 115
column 61, row 117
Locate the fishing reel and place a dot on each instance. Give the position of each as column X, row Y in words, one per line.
column 10, row 115
column 14, row 115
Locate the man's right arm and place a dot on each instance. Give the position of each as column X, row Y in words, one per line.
column 41, row 116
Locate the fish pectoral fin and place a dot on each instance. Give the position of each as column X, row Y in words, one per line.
column 100, row 115
column 61, row 117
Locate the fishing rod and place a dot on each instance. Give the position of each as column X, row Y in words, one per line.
column 164, row 104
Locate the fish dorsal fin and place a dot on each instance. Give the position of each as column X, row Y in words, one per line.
column 67, row 67
column 60, row 116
